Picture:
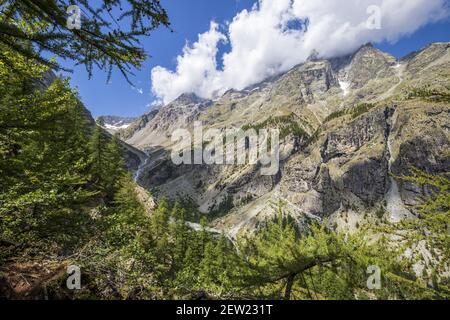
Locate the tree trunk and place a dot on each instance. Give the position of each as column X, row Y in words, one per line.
column 289, row 284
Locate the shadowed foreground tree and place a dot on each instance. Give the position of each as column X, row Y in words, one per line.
column 108, row 35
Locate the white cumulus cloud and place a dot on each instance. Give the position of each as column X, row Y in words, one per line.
column 196, row 69
column 276, row 35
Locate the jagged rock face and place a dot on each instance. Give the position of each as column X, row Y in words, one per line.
column 433, row 55
column 350, row 166
column 137, row 125
column 425, row 145
column 347, row 140
column 155, row 128
column 367, row 178
column 187, row 99
column 310, row 80
column 347, row 161
column 369, row 64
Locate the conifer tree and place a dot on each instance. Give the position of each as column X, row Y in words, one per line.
column 430, row 229
column 180, row 234
column 106, row 164
column 43, row 161
column 208, row 265
column 98, row 42
column 114, row 166
column 162, row 243
column 216, row 270
column 160, row 219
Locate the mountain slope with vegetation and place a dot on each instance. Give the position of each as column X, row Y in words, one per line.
column 74, row 204
column 363, row 183
column 348, row 125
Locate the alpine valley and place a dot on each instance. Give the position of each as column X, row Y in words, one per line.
column 350, row 127
column 359, row 208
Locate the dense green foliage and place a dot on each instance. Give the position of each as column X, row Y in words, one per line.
column 360, row 109
column 286, row 124
column 48, row 159
column 65, row 195
column 41, row 151
column 429, row 93
column 29, row 27
column 354, row 112
column 335, row 115
column 159, row 256
column 146, row 257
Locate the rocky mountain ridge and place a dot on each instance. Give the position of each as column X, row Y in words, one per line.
column 349, row 131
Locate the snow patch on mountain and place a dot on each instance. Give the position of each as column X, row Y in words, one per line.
column 115, row 123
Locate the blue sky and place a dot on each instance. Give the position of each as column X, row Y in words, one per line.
column 189, row 18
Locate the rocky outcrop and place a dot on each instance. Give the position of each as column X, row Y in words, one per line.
column 349, row 164
column 137, row 125
column 156, row 127
column 369, row 64
column 349, row 139
column 424, row 132
column 311, row 79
